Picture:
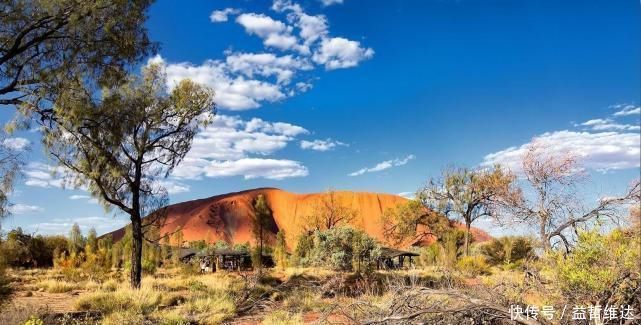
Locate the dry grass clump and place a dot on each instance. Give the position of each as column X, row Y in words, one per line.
column 280, row 317
column 57, row 286
column 210, row 309
column 12, row 314
column 142, row 301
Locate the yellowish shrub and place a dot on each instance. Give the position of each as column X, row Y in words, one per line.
column 473, row 265
column 57, row 286
column 281, row 317
column 211, row 309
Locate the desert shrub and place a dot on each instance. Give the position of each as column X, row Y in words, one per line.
column 450, row 243
column 123, row 317
column 281, row 317
column 341, row 248
column 473, row 265
column 507, row 250
column 600, row 268
column 141, row 301
column 280, row 251
column 212, row 309
column 57, row 286
column 429, row 255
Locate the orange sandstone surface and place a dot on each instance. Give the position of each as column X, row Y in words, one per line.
column 229, row 216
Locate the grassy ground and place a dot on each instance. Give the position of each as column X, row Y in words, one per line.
column 291, row 296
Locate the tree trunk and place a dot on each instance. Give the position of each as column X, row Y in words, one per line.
column 544, row 237
column 467, row 237
column 136, row 252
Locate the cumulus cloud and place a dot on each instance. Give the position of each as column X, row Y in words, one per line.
column 321, row 145
column 79, row 197
column 338, row 52
column 43, row 175
column 248, row 80
column 17, row 144
column 383, row 165
column 601, row 151
column 219, row 16
column 626, row 109
column 233, row 91
column 266, row 65
column 225, row 147
column 20, row 208
column 249, row 168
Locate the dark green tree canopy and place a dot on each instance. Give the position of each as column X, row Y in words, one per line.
column 46, row 43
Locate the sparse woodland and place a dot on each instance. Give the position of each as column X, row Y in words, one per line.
column 57, row 56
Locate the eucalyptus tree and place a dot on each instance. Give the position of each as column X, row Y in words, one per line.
column 46, row 45
column 551, row 202
column 121, row 143
column 468, row 194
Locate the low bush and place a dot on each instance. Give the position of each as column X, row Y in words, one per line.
column 281, row 317
column 473, row 265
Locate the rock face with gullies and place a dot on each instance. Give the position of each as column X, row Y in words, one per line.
column 229, row 216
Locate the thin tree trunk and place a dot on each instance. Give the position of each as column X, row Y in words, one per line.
column 544, row 238
column 467, row 237
column 136, row 252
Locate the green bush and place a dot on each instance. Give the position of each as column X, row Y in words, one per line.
column 473, row 265
column 341, row 249
column 600, row 268
column 507, row 250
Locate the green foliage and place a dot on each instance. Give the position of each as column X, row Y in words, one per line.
column 280, row 251
column 34, row 320
column 473, row 265
column 25, row 250
column 601, row 268
column 430, row 255
column 261, row 223
column 507, row 250
column 76, row 240
column 411, row 221
column 198, row 244
column 468, row 194
column 244, row 247
column 220, row 244
column 341, row 248
column 45, row 44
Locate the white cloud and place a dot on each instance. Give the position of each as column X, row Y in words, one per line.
column 218, row 16
column 330, row 2
column 338, row 52
column 17, row 144
column 79, row 197
column 407, row 195
column 20, row 208
column 247, row 80
column 383, row 165
column 267, row 64
column 321, row 145
column 274, row 33
column 62, row 226
column 222, row 147
column 256, row 167
column 600, row 124
column 232, row 91
column 600, row 151
column 42, row 175
column 174, row 187
column 626, row 109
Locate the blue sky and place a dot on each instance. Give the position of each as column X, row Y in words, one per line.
column 379, row 96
